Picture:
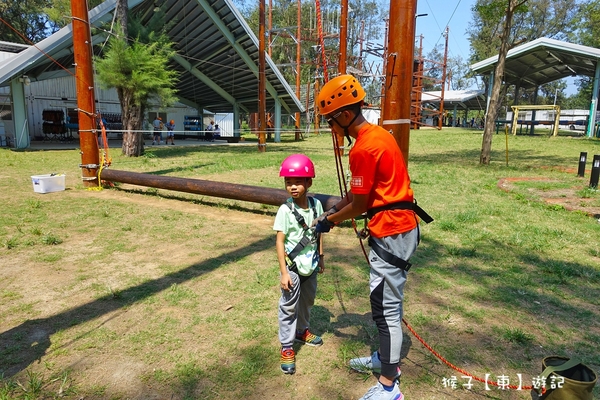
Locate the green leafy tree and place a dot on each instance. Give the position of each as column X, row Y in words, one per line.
column 138, row 70
column 503, row 24
column 29, row 23
column 364, row 23
column 34, row 20
column 433, row 69
column 458, row 74
column 59, row 11
column 503, row 12
column 536, row 18
column 587, row 33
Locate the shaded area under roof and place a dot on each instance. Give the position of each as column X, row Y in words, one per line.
column 217, row 56
column 542, row 61
column 12, row 47
column 463, row 99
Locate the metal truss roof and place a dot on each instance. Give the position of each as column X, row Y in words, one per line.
column 464, row 99
column 542, row 61
column 217, row 55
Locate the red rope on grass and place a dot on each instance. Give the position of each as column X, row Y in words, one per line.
column 344, row 192
column 454, row 367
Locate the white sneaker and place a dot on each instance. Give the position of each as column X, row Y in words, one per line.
column 369, row 364
column 366, row 364
column 377, row 392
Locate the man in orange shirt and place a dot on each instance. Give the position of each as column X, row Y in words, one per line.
column 380, row 186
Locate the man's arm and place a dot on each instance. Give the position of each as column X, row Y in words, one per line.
column 356, row 204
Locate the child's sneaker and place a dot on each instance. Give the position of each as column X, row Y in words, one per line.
column 369, row 364
column 288, row 360
column 377, row 392
column 309, row 338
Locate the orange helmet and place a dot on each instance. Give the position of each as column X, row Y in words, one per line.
column 339, row 92
column 171, row 122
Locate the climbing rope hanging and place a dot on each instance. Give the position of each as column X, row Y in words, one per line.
column 344, row 193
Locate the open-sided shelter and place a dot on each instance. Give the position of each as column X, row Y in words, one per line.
column 217, row 58
column 545, row 60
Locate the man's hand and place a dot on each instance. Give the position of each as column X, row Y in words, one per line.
column 332, row 210
column 323, row 225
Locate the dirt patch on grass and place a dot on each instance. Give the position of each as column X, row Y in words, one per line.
column 567, row 198
column 166, row 314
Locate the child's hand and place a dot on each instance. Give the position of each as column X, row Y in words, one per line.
column 321, row 265
column 286, row 282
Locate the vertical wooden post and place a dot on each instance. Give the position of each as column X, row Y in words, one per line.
column 399, row 65
column 441, row 112
column 84, row 77
column 298, row 65
column 383, row 70
column 262, row 101
column 342, row 60
column 343, row 37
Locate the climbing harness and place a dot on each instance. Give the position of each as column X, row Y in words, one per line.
column 402, row 205
column 306, row 240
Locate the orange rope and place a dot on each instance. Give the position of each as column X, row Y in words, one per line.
column 462, row 371
column 107, row 159
column 321, row 39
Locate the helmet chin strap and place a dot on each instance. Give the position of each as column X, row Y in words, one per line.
column 345, row 128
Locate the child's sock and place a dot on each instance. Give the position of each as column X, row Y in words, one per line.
column 388, row 388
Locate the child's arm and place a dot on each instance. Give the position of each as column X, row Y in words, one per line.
column 286, row 280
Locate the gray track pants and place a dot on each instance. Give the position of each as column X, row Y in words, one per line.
column 295, row 305
column 387, row 292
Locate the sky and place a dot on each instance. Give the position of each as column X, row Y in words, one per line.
column 457, row 15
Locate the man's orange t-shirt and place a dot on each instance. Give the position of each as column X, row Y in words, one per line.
column 378, row 170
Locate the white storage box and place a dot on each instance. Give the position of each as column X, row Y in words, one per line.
column 48, row 183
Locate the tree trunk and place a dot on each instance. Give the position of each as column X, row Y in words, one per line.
column 121, row 15
column 132, row 117
column 492, row 111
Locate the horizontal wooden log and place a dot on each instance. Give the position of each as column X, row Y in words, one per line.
column 224, row 190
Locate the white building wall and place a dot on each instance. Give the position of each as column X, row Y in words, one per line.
column 60, row 94
column 225, row 122
column 568, row 118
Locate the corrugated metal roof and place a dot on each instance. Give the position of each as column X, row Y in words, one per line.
column 9, row 47
column 542, row 61
column 471, row 99
column 217, row 56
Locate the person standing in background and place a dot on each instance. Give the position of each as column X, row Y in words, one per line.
column 170, row 132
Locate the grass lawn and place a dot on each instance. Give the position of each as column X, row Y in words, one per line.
column 142, row 293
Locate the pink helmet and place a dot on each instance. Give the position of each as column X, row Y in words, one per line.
column 297, row 166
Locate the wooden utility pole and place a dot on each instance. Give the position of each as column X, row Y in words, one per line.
column 298, row 57
column 343, row 37
column 262, row 101
column 399, row 74
column 342, row 60
column 441, row 114
column 384, row 69
column 86, row 104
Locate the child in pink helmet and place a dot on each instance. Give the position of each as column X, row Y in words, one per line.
column 300, row 256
